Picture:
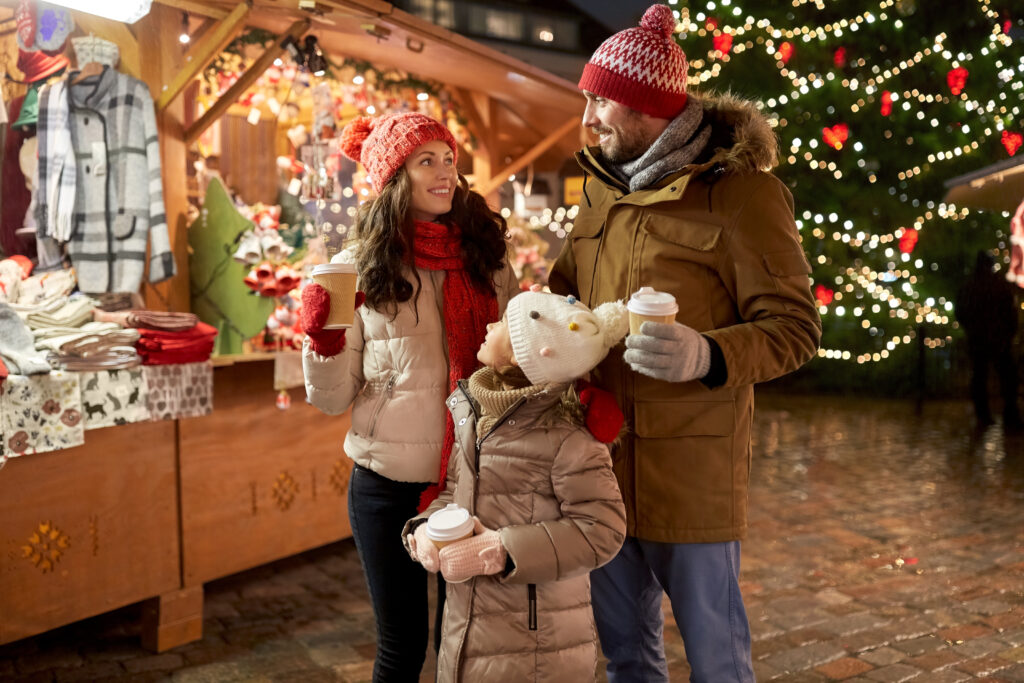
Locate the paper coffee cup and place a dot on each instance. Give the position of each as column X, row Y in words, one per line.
column 450, row 524
column 648, row 304
column 339, row 279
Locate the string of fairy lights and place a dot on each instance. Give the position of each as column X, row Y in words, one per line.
column 893, row 288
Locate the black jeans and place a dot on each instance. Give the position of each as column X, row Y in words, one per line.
column 378, row 509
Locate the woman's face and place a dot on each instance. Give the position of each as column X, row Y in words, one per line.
column 431, row 169
column 496, row 351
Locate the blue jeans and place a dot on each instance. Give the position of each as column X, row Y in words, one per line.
column 378, row 509
column 702, row 581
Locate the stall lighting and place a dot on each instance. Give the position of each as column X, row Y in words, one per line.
column 128, row 11
column 184, row 38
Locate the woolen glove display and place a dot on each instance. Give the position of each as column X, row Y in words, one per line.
column 423, row 549
column 671, row 352
column 482, row 554
column 316, row 307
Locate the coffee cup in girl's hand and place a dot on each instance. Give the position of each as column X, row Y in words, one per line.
column 449, row 524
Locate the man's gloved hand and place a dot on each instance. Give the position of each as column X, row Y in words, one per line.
column 422, row 549
column 316, row 307
column 480, row 554
column 671, row 352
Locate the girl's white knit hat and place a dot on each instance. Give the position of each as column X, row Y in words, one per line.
column 556, row 338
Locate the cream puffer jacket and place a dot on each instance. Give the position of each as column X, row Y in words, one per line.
column 394, row 374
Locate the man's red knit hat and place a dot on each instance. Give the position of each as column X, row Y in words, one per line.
column 642, row 68
column 383, row 144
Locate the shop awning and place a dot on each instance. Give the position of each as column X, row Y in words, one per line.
column 521, row 105
column 999, row 187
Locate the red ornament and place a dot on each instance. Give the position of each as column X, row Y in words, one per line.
column 908, row 240
column 711, row 24
column 836, row 135
column 1006, row 26
column 723, row 42
column 283, row 400
column 957, row 78
column 785, row 52
column 824, row 295
column 839, row 57
column 1011, row 141
column 886, row 103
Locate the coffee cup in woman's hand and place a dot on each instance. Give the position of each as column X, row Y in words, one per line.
column 316, row 309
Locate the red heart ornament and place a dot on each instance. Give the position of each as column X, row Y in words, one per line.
column 886, row 103
column 824, row 295
column 836, row 135
column 908, row 240
column 957, row 79
column 723, row 42
column 1011, row 141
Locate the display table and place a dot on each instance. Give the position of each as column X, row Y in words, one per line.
column 150, row 511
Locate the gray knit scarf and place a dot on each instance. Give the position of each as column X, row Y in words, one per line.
column 676, row 147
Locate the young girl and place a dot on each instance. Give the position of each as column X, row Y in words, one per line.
column 547, row 506
column 431, row 260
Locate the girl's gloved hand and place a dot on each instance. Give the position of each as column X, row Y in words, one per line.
column 422, row 549
column 481, row 554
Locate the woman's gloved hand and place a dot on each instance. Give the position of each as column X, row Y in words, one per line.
column 316, row 307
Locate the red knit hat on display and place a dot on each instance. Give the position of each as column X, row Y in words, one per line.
column 383, row 144
column 642, row 68
column 37, row 65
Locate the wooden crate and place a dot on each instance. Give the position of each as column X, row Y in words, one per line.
column 258, row 483
column 88, row 529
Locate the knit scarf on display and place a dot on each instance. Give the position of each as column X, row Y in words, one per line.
column 467, row 311
column 679, row 145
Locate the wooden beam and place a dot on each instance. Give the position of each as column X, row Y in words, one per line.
column 477, row 127
column 294, row 32
column 544, row 145
column 195, row 8
column 117, row 33
column 201, row 54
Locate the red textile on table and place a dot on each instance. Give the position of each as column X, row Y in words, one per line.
column 160, row 347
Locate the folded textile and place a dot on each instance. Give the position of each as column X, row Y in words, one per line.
column 159, row 347
column 17, row 348
column 53, row 338
column 177, row 391
column 76, row 311
column 167, row 321
column 112, row 350
column 41, row 413
column 114, row 397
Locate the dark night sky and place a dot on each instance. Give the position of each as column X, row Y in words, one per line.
column 615, row 14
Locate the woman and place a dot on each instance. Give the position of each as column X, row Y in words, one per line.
column 431, row 261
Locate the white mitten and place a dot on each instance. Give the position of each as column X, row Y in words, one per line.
column 671, row 352
column 478, row 555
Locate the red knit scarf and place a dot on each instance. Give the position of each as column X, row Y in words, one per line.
column 468, row 309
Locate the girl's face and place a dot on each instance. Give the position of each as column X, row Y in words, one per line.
column 496, row 351
column 431, row 169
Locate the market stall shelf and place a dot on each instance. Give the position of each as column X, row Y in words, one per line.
column 114, row 541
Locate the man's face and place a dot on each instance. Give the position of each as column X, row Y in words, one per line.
column 624, row 133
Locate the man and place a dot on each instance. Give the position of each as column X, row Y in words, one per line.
column 677, row 197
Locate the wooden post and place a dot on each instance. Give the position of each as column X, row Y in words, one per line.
column 199, row 56
column 544, row 145
column 162, row 59
column 172, row 619
column 482, row 125
column 294, row 32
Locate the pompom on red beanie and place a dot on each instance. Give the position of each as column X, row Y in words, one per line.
column 383, row 144
column 643, row 68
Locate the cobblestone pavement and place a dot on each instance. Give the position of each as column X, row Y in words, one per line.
column 884, row 546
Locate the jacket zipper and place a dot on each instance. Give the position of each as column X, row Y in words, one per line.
column 386, row 393
column 531, row 617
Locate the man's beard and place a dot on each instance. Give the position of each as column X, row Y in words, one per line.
column 626, row 143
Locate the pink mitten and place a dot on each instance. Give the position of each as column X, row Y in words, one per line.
column 316, row 307
column 423, row 549
column 481, row 554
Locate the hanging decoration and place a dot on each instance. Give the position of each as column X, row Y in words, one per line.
column 836, row 135
column 957, row 79
column 823, row 295
column 908, row 240
column 1011, row 141
column 839, row 57
column 786, row 52
column 723, row 42
column 886, row 103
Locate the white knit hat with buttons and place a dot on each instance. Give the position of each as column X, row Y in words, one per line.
column 556, row 338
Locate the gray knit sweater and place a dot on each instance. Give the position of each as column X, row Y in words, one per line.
column 119, row 203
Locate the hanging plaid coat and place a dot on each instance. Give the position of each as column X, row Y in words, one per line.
column 119, row 202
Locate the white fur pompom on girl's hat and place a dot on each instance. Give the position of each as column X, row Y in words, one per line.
column 557, row 339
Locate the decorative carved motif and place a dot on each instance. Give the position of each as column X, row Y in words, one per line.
column 285, row 490
column 340, row 473
column 46, row 546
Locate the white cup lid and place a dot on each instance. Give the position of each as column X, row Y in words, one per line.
column 324, row 268
column 449, row 523
column 649, row 301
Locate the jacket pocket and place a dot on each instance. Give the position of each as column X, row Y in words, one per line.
column 589, row 226
column 386, row 394
column 531, row 608
column 124, row 226
column 669, row 419
column 691, row 234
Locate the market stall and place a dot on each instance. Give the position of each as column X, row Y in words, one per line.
column 197, row 456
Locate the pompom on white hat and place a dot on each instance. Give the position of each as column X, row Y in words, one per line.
column 557, row 339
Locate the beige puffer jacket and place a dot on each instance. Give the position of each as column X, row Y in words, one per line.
column 394, row 374
column 548, row 486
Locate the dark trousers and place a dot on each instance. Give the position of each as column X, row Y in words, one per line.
column 378, row 509
column 982, row 357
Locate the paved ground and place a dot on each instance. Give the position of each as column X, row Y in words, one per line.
column 884, row 546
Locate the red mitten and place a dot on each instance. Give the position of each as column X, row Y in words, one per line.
column 316, row 307
column 601, row 413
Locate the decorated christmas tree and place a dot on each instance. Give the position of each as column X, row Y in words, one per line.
column 876, row 104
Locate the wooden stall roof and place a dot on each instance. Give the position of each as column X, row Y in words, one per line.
column 530, row 103
column 999, row 187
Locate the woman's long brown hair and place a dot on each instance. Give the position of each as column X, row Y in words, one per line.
column 384, row 234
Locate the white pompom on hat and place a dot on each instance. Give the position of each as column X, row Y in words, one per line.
column 557, row 339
